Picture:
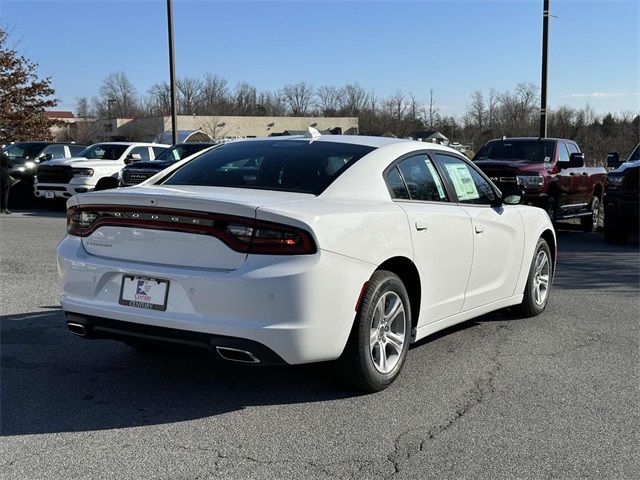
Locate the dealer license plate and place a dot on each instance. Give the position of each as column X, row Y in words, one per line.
column 49, row 194
column 144, row 292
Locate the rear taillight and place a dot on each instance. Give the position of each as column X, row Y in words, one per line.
column 241, row 234
column 270, row 238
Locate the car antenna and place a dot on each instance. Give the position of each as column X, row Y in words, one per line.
column 312, row 134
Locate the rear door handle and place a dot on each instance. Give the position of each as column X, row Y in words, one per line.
column 421, row 226
column 479, row 228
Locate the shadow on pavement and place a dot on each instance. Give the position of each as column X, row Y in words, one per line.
column 586, row 261
column 53, row 381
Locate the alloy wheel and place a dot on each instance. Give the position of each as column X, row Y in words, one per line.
column 387, row 332
column 541, row 278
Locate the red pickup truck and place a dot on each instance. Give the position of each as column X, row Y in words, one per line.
column 551, row 173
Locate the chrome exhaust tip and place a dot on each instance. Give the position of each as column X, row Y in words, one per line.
column 77, row 329
column 237, row 355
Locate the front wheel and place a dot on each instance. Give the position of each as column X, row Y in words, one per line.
column 536, row 292
column 590, row 223
column 379, row 340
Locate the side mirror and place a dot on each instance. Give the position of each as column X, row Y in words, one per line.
column 132, row 157
column 44, row 157
column 613, row 160
column 576, row 160
column 513, row 196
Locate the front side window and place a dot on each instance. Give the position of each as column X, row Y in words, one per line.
column 56, row 151
column 285, row 165
column 157, row 151
column 103, row 151
column 142, row 151
column 422, row 179
column 469, row 185
column 563, row 153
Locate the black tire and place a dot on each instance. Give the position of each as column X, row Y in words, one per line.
column 552, row 209
column 356, row 365
column 530, row 306
column 590, row 223
column 615, row 236
column 106, row 183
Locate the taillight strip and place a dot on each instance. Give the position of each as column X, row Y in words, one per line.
column 189, row 221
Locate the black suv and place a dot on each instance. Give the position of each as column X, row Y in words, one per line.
column 23, row 158
column 137, row 172
column 622, row 197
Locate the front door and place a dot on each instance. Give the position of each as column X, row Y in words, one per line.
column 497, row 232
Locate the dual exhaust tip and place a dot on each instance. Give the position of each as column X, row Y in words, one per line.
column 228, row 353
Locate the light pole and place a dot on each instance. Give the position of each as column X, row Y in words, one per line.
column 545, row 51
column 172, row 75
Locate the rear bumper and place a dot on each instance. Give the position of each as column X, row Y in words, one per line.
column 300, row 307
column 97, row 327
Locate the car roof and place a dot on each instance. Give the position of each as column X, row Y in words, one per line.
column 532, row 138
column 149, row 144
column 364, row 140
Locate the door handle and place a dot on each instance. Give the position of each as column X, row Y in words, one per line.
column 479, row 228
column 572, row 173
column 585, row 173
column 421, row 226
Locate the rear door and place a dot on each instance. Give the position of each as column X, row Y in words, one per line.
column 497, row 232
column 441, row 235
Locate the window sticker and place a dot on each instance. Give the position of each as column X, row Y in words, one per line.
column 436, row 179
column 462, row 182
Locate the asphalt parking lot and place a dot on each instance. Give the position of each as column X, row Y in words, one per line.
column 497, row 397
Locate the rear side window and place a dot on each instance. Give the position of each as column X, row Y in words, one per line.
column 422, row 179
column 285, row 165
column 397, row 188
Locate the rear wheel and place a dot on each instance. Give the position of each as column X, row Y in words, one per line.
column 590, row 223
column 536, row 292
column 379, row 340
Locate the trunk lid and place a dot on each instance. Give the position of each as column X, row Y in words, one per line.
column 174, row 210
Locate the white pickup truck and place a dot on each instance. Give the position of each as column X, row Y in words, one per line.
column 66, row 177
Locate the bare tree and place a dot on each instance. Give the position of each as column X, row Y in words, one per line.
column 354, row 99
column 189, row 95
column 519, row 109
column 329, row 99
column 245, row 97
column 432, row 110
column 83, row 108
column 398, row 104
column 159, row 102
column 215, row 95
column 298, row 97
column 492, row 107
column 271, row 104
column 477, row 109
column 117, row 95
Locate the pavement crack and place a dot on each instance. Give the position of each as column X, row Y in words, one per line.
column 415, row 440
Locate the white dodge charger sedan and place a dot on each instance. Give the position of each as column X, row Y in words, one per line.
column 303, row 249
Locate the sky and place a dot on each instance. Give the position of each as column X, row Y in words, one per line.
column 453, row 47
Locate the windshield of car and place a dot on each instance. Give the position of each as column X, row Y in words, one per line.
column 178, row 152
column 103, row 151
column 23, row 150
column 285, row 165
column 535, row 151
column 635, row 155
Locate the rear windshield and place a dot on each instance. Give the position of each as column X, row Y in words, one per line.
column 178, row 152
column 285, row 165
column 535, row 151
